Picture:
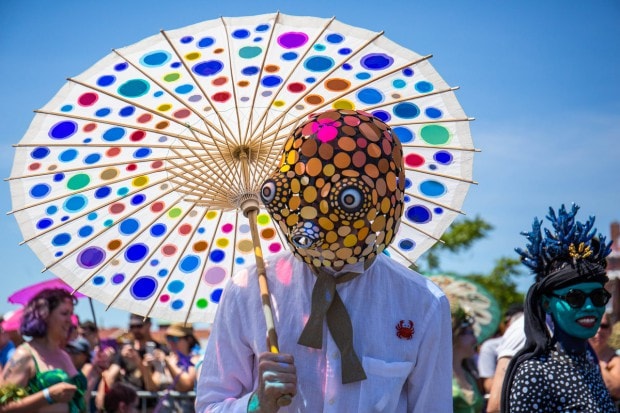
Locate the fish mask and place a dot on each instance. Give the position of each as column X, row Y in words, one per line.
column 338, row 195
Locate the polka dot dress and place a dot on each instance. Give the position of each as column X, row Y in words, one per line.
column 559, row 382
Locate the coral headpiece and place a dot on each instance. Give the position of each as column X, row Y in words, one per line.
column 571, row 245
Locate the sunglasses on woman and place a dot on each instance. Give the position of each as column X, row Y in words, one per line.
column 174, row 339
column 577, row 298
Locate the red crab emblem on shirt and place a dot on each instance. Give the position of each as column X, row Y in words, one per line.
column 405, row 330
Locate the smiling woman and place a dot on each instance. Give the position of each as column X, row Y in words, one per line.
column 41, row 365
column 555, row 370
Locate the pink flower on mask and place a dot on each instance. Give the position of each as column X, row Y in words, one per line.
column 325, row 129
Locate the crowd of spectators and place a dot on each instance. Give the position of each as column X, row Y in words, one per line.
column 56, row 364
column 59, row 364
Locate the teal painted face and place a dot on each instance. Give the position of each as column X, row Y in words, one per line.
column 581, row 322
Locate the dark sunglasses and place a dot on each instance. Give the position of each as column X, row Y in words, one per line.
column 174, row 339
column 136, row 326
column 604, row 326
column 577, row 298
column 72, row 350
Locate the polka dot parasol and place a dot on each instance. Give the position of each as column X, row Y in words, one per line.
column 131, row 182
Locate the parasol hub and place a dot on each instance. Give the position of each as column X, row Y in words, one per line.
column 247, row 203
column 243, row 153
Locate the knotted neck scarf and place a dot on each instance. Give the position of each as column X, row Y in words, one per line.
column 538, row 338
column 327, row 305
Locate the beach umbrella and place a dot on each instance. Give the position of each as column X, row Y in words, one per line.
column 476, row 300
column 138, row 183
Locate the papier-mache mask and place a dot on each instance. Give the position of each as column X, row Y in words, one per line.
column 338, row 195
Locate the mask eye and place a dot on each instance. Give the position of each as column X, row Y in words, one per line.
column 268, row 192
column 350, row 199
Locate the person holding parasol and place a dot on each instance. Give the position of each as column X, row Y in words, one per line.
column 362, row 331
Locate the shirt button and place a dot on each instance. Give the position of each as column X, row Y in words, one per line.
column 331, row 401
column 336, row 355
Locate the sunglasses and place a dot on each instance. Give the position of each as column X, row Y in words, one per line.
column 604, row 326
column 174, row 339
column 131, row 327
column 72, row 350
column 577, row 298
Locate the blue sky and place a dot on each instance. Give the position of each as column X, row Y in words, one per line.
column 542, row 80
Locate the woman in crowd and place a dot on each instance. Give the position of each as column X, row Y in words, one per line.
column 180, row 366
column 466, row 395
column 42, row 365
column 130, row 369
column 608, row 360
column 555, row 371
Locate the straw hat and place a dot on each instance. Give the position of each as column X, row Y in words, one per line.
column 180, row 330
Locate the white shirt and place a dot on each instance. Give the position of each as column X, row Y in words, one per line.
column 487, row 357
column 404, row 375
column 513, row 339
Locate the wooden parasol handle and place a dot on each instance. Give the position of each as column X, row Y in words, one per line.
column 252, row 213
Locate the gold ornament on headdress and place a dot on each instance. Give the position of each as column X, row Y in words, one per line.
column 579, row 253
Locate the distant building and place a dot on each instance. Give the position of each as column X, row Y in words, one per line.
column 613, row 271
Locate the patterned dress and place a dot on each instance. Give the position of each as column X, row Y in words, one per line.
column 559, row 382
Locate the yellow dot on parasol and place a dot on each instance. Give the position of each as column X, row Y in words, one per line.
column 192, row 56
column 343, row 104
column 140, row 181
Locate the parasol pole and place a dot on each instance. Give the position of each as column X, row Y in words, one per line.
column 251, row 213
column 250, row 208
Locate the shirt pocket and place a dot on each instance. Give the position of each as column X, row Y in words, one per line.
column 381, row 390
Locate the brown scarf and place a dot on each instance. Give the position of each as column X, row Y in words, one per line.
column 327, row 305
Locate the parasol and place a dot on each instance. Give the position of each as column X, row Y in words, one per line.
column 12, row 320
column 131, row 182
column 24, row 295
column 475, row 300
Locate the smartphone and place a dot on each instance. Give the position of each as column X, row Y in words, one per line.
column 150, row 346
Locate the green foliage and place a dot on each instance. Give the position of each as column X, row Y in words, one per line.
column 461, row 235
column 500, row 282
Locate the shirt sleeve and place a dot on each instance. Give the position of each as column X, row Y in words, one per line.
column 430, row 383
column 513, row 339
column 487, row 359
column 226, row 379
